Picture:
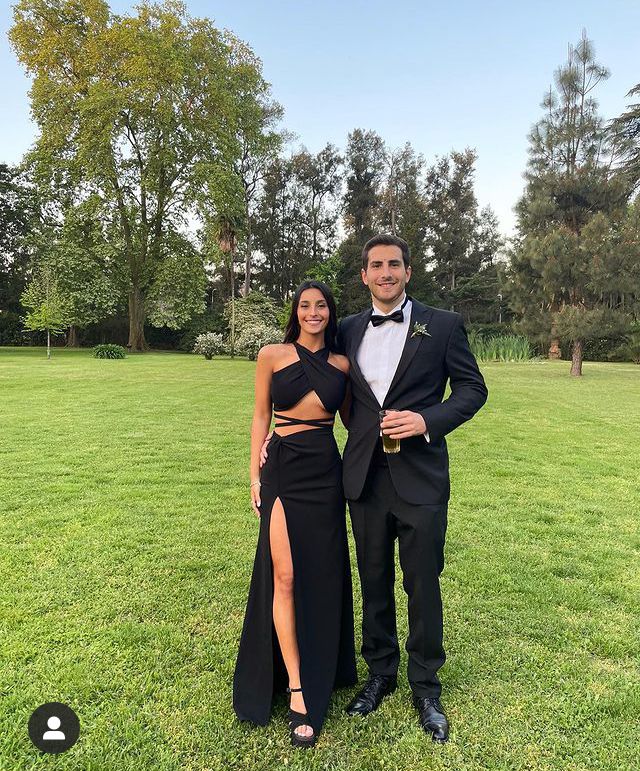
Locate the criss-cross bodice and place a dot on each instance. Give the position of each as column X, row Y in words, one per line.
column 312, row 372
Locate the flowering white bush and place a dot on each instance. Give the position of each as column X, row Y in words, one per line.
column 254, row 336
column 209, row 344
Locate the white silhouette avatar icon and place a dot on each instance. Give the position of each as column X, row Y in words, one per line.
column 54, row 723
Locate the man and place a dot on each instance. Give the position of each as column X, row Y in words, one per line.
column 402, row 353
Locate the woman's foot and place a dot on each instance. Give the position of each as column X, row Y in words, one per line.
column 303, row 731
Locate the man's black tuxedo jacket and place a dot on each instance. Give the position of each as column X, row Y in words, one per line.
column 420, row 471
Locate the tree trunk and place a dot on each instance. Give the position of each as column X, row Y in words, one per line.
column 233, row 309
column 72, row 337
column 576, row 358
column 48, row 344
column 247, row 266
column 136, row 321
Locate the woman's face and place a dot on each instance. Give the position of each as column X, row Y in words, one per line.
column 313, row 312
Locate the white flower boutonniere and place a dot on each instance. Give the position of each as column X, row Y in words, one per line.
column 420, row 329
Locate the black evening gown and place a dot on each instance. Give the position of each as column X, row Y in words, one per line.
column 305, row 471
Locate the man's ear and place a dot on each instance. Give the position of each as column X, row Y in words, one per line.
column 408, row 272
column 363, row 273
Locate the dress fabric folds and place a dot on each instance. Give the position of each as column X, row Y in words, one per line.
column 303, row 470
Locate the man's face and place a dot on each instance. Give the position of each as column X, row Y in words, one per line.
column 386, row 275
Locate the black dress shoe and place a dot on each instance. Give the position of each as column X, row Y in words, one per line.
column 432, row 717
column 372, row 693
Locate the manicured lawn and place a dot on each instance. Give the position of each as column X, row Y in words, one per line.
column 127, row 542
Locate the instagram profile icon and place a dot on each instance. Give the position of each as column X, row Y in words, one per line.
column 54, row 727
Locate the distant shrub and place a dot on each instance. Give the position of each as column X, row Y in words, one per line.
column 500, row 347
column 254, row 336
column 109, row 351
column 252, row 310
column 209, row 321
column 630, row 349
column 209, row 344
column 612, row 348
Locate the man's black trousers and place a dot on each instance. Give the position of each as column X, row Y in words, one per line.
column 378, row 517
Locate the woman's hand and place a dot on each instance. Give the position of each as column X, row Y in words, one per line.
column 263, row 449
column 255, row 498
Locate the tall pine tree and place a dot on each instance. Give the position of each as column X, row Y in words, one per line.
column 364, row 161
column 569, row 216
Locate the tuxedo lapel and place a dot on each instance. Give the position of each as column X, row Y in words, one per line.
column 421, row 314
column 359, row 327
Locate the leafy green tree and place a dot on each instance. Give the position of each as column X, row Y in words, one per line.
column 48, row 309
column 365, row 164
column 479, row 296
column 365, row 159
column 451, row 223
column 179, row 284
column 282, row 232
column 230, row 187
column 319, row 179
column 136, row 109
column 83, row 254
column 296, row 220
column 403, row 212
column 18, row 212
column 328, row 271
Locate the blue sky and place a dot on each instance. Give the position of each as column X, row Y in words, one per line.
column 442, row 76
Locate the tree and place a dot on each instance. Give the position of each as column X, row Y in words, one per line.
column 319, row 179
column 365, row 165
column 49, row 310
column 83, row 254
column 573, row 204
column 18, row 211
column 479, row 295
column 626, row 131
column 364, row 160
column 256, row 144
column 328, row 271
column 460, row 241
column 403, row 211
column 282, row 232
column 135, row 110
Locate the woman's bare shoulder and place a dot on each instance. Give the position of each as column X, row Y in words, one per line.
column 340, row 361
column 274, row 353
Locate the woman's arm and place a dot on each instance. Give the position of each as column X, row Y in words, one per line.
column 345, row 408
column 261, row 419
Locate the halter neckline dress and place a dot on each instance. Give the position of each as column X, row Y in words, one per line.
column 304, row 470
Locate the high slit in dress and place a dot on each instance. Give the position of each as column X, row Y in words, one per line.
column 303, row 470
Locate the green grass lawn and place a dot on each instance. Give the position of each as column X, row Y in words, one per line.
column 127, row 541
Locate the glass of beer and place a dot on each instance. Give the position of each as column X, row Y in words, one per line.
column 388, row 444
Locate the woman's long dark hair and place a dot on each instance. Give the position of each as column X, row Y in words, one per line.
column 292, row 330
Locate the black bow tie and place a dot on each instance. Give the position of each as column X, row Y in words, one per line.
column 398, row 316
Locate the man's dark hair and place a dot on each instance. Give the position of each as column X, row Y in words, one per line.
column 386, row 239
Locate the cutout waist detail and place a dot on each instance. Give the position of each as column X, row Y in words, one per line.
column 317, row 422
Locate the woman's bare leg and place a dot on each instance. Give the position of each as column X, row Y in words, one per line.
column 284, row 618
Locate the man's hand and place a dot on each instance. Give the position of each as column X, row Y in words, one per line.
column 401, row 424
column 263, row 449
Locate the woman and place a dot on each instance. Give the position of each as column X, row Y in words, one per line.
column 298, row 626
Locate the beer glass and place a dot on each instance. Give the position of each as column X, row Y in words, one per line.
column 388, row 444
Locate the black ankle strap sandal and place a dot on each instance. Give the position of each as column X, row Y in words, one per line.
column 297, row 719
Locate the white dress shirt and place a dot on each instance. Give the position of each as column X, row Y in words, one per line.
column 381, row 348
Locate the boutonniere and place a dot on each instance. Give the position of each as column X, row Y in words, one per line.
column 420, row 329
